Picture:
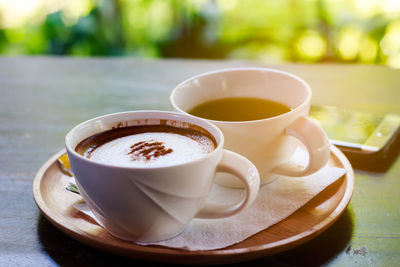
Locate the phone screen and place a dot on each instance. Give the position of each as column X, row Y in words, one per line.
column 357, row 129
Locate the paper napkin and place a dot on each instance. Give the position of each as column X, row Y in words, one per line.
column 275, row 202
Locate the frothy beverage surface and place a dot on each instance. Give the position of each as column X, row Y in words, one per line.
column 146, row 146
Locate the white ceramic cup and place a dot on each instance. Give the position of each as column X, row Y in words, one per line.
column 269, row 142
column 155, row 203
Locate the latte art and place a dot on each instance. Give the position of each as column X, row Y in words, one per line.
column 146, row 146
column 149, row 149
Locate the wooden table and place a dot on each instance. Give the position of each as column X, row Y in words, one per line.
column 41, row 98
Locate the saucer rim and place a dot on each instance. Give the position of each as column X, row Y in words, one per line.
column 172, row 255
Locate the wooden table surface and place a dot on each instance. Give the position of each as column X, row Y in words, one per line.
column 41, row 98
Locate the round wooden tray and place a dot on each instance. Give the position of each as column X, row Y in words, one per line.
column 317, row 215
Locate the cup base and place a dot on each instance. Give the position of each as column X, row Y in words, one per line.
column 143, row 239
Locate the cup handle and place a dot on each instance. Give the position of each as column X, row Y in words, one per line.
column 247, row 173
column 316, row 142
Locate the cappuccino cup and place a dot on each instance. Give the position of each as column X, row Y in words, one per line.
column 269, row 141
column 146, row 174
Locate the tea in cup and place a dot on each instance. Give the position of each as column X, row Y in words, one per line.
column 259, row 111
column 146, row 174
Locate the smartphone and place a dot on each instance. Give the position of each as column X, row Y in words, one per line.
column 370, row 140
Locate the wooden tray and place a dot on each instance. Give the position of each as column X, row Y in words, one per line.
column 317, row 215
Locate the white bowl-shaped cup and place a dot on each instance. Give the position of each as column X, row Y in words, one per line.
column 268, row 142
column 155, row 203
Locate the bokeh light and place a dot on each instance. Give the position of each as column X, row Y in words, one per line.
column 311, row 46
column 390, row 42
column 349, row 42
column 347, row 31
column 368, row 50
column 74, row 9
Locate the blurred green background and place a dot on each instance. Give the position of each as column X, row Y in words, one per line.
column 271, row 31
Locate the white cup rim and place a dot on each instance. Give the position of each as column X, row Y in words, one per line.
column 174, row 116
column 262, row 69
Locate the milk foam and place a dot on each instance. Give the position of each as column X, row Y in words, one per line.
column 152, row 149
